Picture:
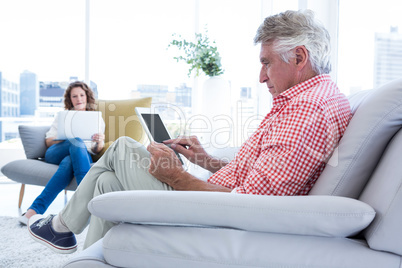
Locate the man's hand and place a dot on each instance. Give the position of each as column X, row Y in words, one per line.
column 192, row 149
column 165, row 166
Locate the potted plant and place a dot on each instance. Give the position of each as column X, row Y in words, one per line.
column 201, row 55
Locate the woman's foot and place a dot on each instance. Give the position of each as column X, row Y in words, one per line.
column 23, row 219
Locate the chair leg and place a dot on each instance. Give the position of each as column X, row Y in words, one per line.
column 22, row 191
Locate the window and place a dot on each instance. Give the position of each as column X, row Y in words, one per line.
column 44, row 36
column 129, row 55
column 127, row 46
column 370, row 36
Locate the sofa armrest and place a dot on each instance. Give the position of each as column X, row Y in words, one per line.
column 227, row 153
column 90, row 257
column 303, row 215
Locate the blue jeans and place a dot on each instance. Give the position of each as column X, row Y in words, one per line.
column 73, row 160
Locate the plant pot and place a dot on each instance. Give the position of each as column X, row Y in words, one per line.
column 217, row 111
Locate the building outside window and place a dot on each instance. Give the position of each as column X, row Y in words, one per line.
column 369, row 52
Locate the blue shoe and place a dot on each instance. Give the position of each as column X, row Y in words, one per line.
column 41, row 230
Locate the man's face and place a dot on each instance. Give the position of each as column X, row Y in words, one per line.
column 277, row 74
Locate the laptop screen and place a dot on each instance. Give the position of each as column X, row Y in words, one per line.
column 81, row 124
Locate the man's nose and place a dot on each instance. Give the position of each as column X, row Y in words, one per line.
column 263, row 75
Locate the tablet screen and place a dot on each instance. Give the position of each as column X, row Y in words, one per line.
column 156, row 127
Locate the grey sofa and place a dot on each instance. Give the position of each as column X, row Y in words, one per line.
column 351, row 218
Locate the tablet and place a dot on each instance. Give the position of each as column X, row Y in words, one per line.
column 81, row 124
column 154, row 126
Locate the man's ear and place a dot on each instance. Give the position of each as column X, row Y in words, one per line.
column 302, row 56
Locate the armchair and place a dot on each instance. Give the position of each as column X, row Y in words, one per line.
column 351, row 218
column 120, row 120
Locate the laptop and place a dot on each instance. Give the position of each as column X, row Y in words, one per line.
column 79, row 124
column 154, row 126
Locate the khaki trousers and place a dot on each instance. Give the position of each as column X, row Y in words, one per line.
column 124, row 166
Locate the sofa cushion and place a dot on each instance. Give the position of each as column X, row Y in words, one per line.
column 121, row 120
column 358, row 98
column 374, row 123
column 384, row 194
column 302, row 215
column 33, row 140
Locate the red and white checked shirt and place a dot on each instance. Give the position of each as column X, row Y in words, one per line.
column 288, row 151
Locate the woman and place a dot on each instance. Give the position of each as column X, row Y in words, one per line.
column 72, row 156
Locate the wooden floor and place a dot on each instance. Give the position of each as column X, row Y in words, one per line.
column 9, row 192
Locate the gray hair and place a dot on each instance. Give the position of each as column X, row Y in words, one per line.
column 290, row 29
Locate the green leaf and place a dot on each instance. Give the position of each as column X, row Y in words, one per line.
column 199, row 55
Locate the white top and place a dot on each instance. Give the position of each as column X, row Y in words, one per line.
column 52, row 133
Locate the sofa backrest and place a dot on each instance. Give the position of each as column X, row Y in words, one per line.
column 384, row 193
column 121, row 120
column 368, row 165
column 377, row 118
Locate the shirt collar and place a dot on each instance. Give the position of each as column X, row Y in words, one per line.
column 294, row 91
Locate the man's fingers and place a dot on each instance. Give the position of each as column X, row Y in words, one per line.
column 179, row 148
column 154, row 148
column 182, row 140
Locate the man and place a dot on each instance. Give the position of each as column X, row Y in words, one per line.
column 284, row 156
